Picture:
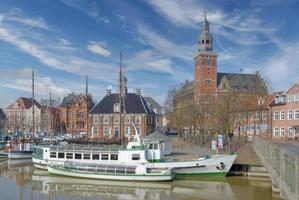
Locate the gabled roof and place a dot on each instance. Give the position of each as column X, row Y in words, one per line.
column 28, row 102
column 2, row 115
column 243, row 82
column 152, row 103
column 69, row 100
column 133, row 104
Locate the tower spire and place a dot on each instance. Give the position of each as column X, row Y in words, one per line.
column 205, row 38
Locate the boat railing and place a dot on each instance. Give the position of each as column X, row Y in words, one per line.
column 100, row 168
column 85, row 149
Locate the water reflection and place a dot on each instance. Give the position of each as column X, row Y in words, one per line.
column 19, row 180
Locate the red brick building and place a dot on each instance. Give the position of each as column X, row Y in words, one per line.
column 209, row 84
column 285, row 114
column 73, row 113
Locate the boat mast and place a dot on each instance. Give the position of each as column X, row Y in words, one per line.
column 120, row 98
column 51, row 122
column 32, row 103
column 86, row 96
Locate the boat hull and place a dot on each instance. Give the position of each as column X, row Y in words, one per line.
column 119, row 177
column 16, row 154
column 218, row 165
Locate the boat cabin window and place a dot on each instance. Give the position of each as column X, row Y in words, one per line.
column 95, row 156
column 69, row 156
column 52, row 154
column 60, row 155
column 114, row 157
column 155, row 146
column 104, row 157
column 135, row 156
column 86, row 156
column 78, row 156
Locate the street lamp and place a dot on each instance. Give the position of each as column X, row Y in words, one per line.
column 261, row 102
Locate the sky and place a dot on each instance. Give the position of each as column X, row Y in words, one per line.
column 65, row 40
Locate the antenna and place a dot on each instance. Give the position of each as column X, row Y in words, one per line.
column 51, row 122
column 32, row 104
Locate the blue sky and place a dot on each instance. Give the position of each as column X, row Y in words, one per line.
column 64, row 40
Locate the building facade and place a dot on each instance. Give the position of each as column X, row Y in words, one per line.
column 3, row 121
column 107, row 122
column 20, row 117
column 210, row 86
column 73, row 113
column 157, row 109
column 50, row 116
column 285, row 114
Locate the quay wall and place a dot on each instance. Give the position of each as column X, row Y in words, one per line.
column 282, row 165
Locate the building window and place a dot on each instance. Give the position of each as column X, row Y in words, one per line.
column 116, row 107
column 137, row 119
column 106, row 130
column 290, row 114
column 106, row 119
column 116, row 119
column 202, row 41
column 116, row 131
column 208, row 82
column 127, row 119
column 69, row 155
column 207, row 41
column 78, row 156
column 282, row 117
column 104, row 157
column 127, row 130
column 264, row 115
column 290, row 132
column 135, row 156
column 296, row 114
column 95, row 119
column 114, row 157
column 276, row 115
column 138, row 130
column 276, row 131
column 95, row 130
column 96, row 156
column 281, row 131
column 290, row 98
column 296, row 97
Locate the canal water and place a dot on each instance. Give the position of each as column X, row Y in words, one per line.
column 19, row 180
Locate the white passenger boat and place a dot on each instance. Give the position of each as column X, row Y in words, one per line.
column 148, row 154
column 111, row 172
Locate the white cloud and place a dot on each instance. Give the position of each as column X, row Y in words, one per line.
column 98, row 48
column 150, row 60
column 16, row 15
column 20, row 79
column 281, row 69
column 164, row 45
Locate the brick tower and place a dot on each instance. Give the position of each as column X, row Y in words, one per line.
column 205, row 64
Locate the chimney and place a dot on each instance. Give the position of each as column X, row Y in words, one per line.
column 108, row 92
column 138, row 91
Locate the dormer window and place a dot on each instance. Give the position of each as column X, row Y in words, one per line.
column 116, row 107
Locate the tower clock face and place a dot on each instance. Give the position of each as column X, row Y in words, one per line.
column 208, row 61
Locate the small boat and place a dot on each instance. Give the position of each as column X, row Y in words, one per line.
column 111, row 172
column 16, row 154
